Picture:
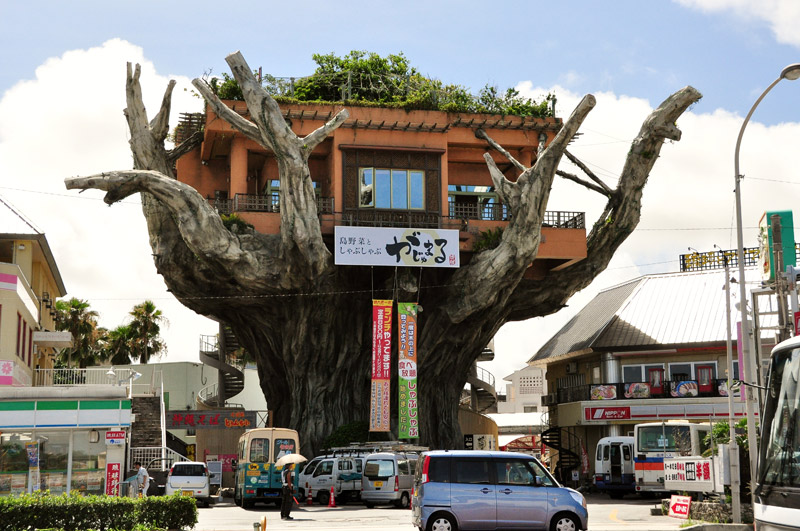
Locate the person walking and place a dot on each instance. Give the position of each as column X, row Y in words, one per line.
column 287, row 481
column 142, row 478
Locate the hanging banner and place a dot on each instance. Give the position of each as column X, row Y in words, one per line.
column 381, row 357
column 396, row 247
column 408, row 421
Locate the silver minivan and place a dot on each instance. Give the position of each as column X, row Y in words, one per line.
column 388, row 478
column 466, row 489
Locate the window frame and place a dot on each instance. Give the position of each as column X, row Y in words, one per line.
column 373, row 203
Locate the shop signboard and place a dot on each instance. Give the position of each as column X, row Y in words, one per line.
column 210, row 419
column 407, row 370
column 396, row 247
column 679, row 506
column 766, row 246
column 691, row 474
column 115, row 438
column 113, row 472
column 607, row 413
column 381, row 357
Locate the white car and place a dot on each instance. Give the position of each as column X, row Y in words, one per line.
column 190, row 478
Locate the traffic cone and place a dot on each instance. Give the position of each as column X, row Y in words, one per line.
column 332, row 500
column 309, row 498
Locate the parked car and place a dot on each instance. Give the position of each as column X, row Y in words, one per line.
column 388, row 478
column 469, row 489
column 190, row 478
column 343, row 473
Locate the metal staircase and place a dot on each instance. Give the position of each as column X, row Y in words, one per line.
column 568, row 447
column 216, row 351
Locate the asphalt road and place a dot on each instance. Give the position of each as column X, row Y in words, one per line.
column 632, row 514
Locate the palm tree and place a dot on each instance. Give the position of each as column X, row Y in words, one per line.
column 117, row 348
column 75, row 317
column 145, row 328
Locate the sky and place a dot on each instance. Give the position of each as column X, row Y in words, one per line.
column 62, row 93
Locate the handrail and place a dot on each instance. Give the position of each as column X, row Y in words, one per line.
column 485, row 376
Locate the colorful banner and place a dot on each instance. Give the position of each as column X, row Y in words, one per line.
column 408, row 421
column 381, row 359
column 113, row 475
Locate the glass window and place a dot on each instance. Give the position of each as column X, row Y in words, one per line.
column 680, row 371
column 13, row 463
column 399, row 189
column 383, row 189
column 599, row 456
column 402, row 466
column 53, row 454
column 543, row 477
column 325, row 468
column 471, row 471
column 259, row 450
column 413, row 464
column 379, row 468
column 439, row 469
column 192, row 470
column 780, row 451
column 626, row 452
column 310, row 467
column 88, row 464
column 631, row 373
column 513, row 472
column 367, row 196
column 283, row 447
column 669, row 438
column 416, row 190
column 606, row 452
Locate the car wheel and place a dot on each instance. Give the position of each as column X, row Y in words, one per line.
column 402, row 503
column 564, row 522
column 324, row 497
column 247, row 504
column 369, row 505
column 237, row 499
column 616, row 495
column 442, row 522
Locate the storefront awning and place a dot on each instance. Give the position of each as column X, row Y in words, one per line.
column 52, row 339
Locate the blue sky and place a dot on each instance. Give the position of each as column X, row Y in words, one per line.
column 62, row 84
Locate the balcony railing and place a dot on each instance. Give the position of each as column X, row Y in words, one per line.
column 262, row 203
column 123, row 377
column 643, row 391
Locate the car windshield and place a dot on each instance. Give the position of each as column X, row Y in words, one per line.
column 188, row 470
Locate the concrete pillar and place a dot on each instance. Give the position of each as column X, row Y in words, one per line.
column 614, row 430
column 238, row 184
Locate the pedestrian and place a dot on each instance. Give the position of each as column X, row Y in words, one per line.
column 287, row 481
column 142, row 478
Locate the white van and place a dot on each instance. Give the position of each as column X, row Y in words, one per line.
column 388, row 478
column 614, row 467
column 343, row 473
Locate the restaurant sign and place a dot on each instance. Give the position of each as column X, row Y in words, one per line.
column 396, row 247
column 211, row 419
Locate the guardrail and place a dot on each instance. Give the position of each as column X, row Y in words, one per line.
column 123, row 377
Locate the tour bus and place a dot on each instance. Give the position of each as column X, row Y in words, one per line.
column 257, row 477
column 653, row 441
column 777, row 492
column 613, row 466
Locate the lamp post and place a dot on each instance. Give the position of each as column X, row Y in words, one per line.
column 791, row 73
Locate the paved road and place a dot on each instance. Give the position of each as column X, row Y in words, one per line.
column 630, row 514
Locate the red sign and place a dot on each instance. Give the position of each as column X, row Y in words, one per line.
column 679, row 506
column 115, row 437
column 112, row 478
column 381, row 357
column 607, row 413
column 797, row 323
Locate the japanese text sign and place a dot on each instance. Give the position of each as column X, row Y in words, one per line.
column 381, row 358
column 115, row 438
column 213, row 419
column 679, row 506
column 407, row 370
column 113, row 471
column 396, row 247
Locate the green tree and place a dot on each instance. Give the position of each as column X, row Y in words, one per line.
column 75, row 317
column 117, row 346
column 145, row 329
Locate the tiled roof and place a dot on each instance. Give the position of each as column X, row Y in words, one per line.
column 657, row 310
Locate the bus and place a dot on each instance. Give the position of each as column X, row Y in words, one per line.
column 777, row 491
column 653, row 441
column 257, row 477
column 613, row 466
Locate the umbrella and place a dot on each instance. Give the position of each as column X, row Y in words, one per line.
column 289, row 459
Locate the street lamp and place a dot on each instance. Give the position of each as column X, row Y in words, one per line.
column 791, row 73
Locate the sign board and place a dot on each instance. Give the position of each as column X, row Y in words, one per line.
column 211, row 419
column 396, row 247
column 691, row 474
column 767, row 243
column 479, row 441
column 469, row 441
column 679, row 506
column 113, row 473
column 607, row 413
column 114, row 438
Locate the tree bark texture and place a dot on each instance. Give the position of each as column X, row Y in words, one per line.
column 307, row 322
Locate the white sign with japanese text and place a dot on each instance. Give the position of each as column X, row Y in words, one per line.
column 400, row 247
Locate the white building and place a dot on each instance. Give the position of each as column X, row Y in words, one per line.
column 524, row 393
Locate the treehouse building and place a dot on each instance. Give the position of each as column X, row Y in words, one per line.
column 385, row 168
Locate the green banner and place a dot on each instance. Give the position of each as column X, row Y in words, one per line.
column 408, row 418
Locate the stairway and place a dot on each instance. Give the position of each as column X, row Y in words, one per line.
column 568, row 447
column 146, row 426
column 230, row 380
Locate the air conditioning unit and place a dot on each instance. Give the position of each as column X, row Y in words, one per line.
column 549, row 399
column 572, row 367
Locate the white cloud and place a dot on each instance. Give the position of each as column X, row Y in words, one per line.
column 688, row 201
column 783, row 16
column 68, row 121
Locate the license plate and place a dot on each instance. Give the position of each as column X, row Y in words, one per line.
column 186, row 493
column 378, row 483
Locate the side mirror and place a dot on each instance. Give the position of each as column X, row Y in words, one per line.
column 538, row 481
column 234, row 463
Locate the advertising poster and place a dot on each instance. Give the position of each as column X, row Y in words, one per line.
column 381, row 357
column 113, row 472
column 408, row 419
column 396, row 247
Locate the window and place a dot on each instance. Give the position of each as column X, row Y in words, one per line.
column 626, row 452
column 688, row 370
column 283, row 447
column 542, row 476
column 512, row 472
column 606, row 452
column 402, row 466
column 599, row 456
column 638, row 373
column 379, row 468
column 310, row 467
column 529, row 409
column 259, row 451
column 471, row 471
column 325, row 468
column 182, row 469
column 396, row 189
column 439, row 469
column 474, row 202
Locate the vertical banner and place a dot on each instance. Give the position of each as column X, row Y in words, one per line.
column 408, row 421
column 113, row 473
column 379, row 412
column 32, row 449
